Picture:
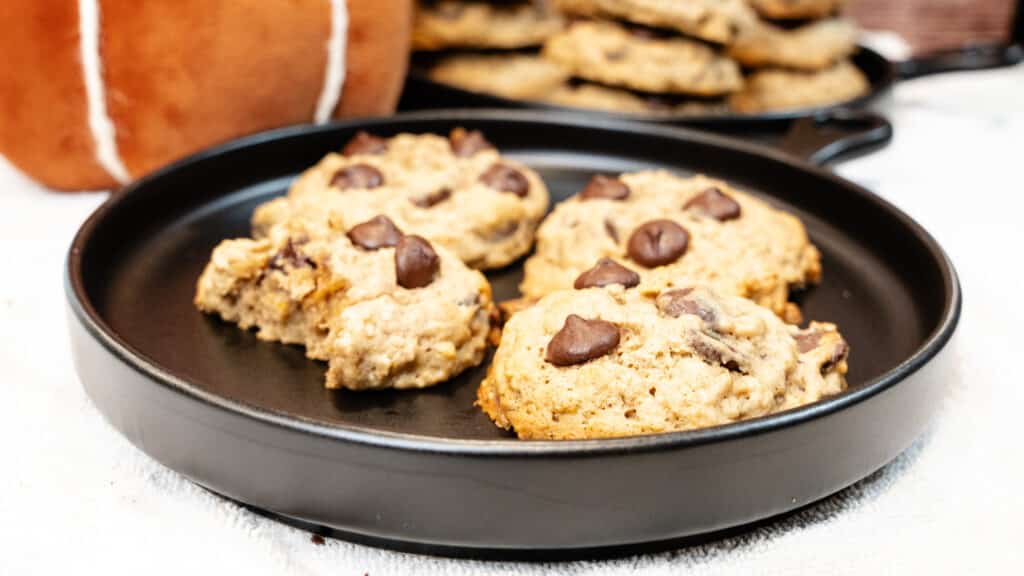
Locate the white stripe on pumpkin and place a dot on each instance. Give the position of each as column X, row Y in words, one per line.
column 100, row 124
column 334, row 70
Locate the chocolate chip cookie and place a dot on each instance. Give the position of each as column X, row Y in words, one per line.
column 675, row 231
column 383, row 308
column 615, row 361
column 712, row 20
column 468, row 24
column 811, row 47
column 613, row 54
column 796, row 9
column 514, row 76
column 457, row 192
column 768, row 90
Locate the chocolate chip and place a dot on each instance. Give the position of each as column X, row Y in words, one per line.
column 611, row 230
column 606, row 272
column 838, row 353
column 416, row 263
column 506, row 179
column 365, row 143
column 675, row 303
column 581, row 340
column 466, row 143
column 376, row 233
column 317, row 539
column 714, row 204
column 605, row 187
column 807, row 341
column 357, row 176
column 432, row 198
column 712, row 354
column 657, row 243
column 290, row 256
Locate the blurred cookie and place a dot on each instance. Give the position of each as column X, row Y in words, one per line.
column 613, row 54
column 796, row 9
column 768, row 90
column 467, row 24
column 384, row 309
column 811, row 47
column 597, row 97
column 457, row 192
column 515, row 76
column 611, row 361
column 712, row 20
column 675, row 231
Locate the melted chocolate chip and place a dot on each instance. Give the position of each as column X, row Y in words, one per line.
column 357, row 176
column 712, row 354
column 416, row 263
column 290, row 256
column 675, row 303
column 466, row 143
column 506, row 179
column 657, row 243
column 611, row 230
column 605, row 187
column 365, row 143
column 838, row 353
column 581, row 340
column 807, row 341
column 317, row 539
column 433, row 198
column 714, row 204
column 376, row 233
column 607, row 272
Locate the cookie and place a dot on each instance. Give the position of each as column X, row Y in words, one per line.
column 812, row 47
column 712, row 20
column 610, row 53
column 383, row 309
column 768, row 90
column 515, row 76
column 597, row 97
column 675, row 231
column 457, row 192
column 796, row 9
column 614, row 361
column 466, row 24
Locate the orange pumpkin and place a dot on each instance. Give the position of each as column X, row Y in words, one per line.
column 94, row 93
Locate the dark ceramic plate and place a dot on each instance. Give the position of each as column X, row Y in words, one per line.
column 428, row 471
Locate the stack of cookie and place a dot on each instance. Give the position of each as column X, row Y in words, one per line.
column 649, row 56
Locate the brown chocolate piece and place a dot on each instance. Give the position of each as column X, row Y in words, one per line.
column 657, row 242
column 365, row 143
column 416, row 263
column 675, row 303
column 376, row 233
column 807, row 341
column 611, row 230
column 506, row 179
column 714, row 204
column 581, row 340
column 433, row 198
column 605, row 187
column 466, row 143
column 605, row 273
column 358, row 176
column 291, row 256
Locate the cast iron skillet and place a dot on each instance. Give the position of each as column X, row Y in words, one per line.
column 427, row 471
column 423, row 93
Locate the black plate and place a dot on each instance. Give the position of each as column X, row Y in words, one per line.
column 423, row 93
column 428, row 471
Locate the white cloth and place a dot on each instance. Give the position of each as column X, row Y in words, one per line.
column 76, row 497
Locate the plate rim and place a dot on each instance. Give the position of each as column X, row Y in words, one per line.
column 84, row 311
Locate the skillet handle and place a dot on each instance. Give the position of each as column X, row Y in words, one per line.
column 831, row 134
column 974, row 57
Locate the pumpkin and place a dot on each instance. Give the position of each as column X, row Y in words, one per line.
column 94, row 93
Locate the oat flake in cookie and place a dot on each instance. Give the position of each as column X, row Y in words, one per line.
column 457, row 192
column 382, row 311
column 672, row 232
column 604, row 362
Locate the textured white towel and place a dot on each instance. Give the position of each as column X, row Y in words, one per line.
column 76, row 497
